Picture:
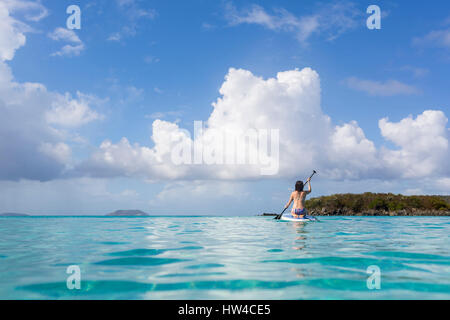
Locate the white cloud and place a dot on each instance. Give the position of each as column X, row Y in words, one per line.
column 423, row 145
column 11, row 35
column 436, row 38
column 63, row 34
column 291, row 103
column 34, row 120
column 69, row 50
column 133, row 13
column 330, row 20
column 34, row 10
column 124, row 159
column 247, row 102
column 30, row 145
column 12, row 30
column 69, row 112
column 352, row 153
column 379, row 88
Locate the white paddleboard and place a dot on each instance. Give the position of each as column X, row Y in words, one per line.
column 289, row 217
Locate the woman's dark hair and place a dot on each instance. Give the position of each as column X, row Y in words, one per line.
column 299, row 186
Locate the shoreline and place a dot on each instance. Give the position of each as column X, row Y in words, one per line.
column 375, row 213
column 379, row 204
column 369, row 214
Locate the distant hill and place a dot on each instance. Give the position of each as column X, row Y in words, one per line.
column 379, row 204
column 9, row 214
column 128, row 213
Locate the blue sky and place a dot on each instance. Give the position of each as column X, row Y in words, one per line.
column 141, row 61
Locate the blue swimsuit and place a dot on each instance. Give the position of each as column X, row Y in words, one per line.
column 300, row 212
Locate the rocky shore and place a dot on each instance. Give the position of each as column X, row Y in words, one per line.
column 372, row 212
column 378, row 204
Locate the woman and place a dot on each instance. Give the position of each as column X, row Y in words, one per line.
column 299, row 196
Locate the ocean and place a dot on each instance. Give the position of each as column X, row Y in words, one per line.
column 224, row 258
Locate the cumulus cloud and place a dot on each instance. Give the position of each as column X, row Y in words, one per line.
column 331, row 20
column 32, row 143
column 379, row 88
column 11, row 36
column 290, row 102
column 68, row 112
column 34, row 120
column 69, row 50
column 66, row 35
column 423, row 145
column 351, row 153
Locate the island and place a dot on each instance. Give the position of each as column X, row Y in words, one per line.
column 376, row 204
column 10, row 214
column 265, row 214
column 128, row 213
column 379, row 204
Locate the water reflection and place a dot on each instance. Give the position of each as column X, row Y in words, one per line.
column 299, row 228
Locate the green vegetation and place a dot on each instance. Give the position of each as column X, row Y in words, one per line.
column 378, row 201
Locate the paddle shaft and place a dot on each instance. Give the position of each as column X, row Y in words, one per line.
column 278, row 217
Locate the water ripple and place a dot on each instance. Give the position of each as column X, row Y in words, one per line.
column 138, row 261
column 224, row 258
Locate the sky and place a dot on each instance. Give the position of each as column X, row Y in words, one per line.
column 101, row 116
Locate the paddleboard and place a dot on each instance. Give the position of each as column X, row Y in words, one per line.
column 289, row 217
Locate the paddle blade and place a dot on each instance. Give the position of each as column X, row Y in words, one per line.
column 278, row 217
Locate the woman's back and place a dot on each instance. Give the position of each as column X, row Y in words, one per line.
column 299, row 199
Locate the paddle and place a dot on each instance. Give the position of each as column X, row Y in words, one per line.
column 278, row 217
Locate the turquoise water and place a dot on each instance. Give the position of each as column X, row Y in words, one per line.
column 224, row 258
